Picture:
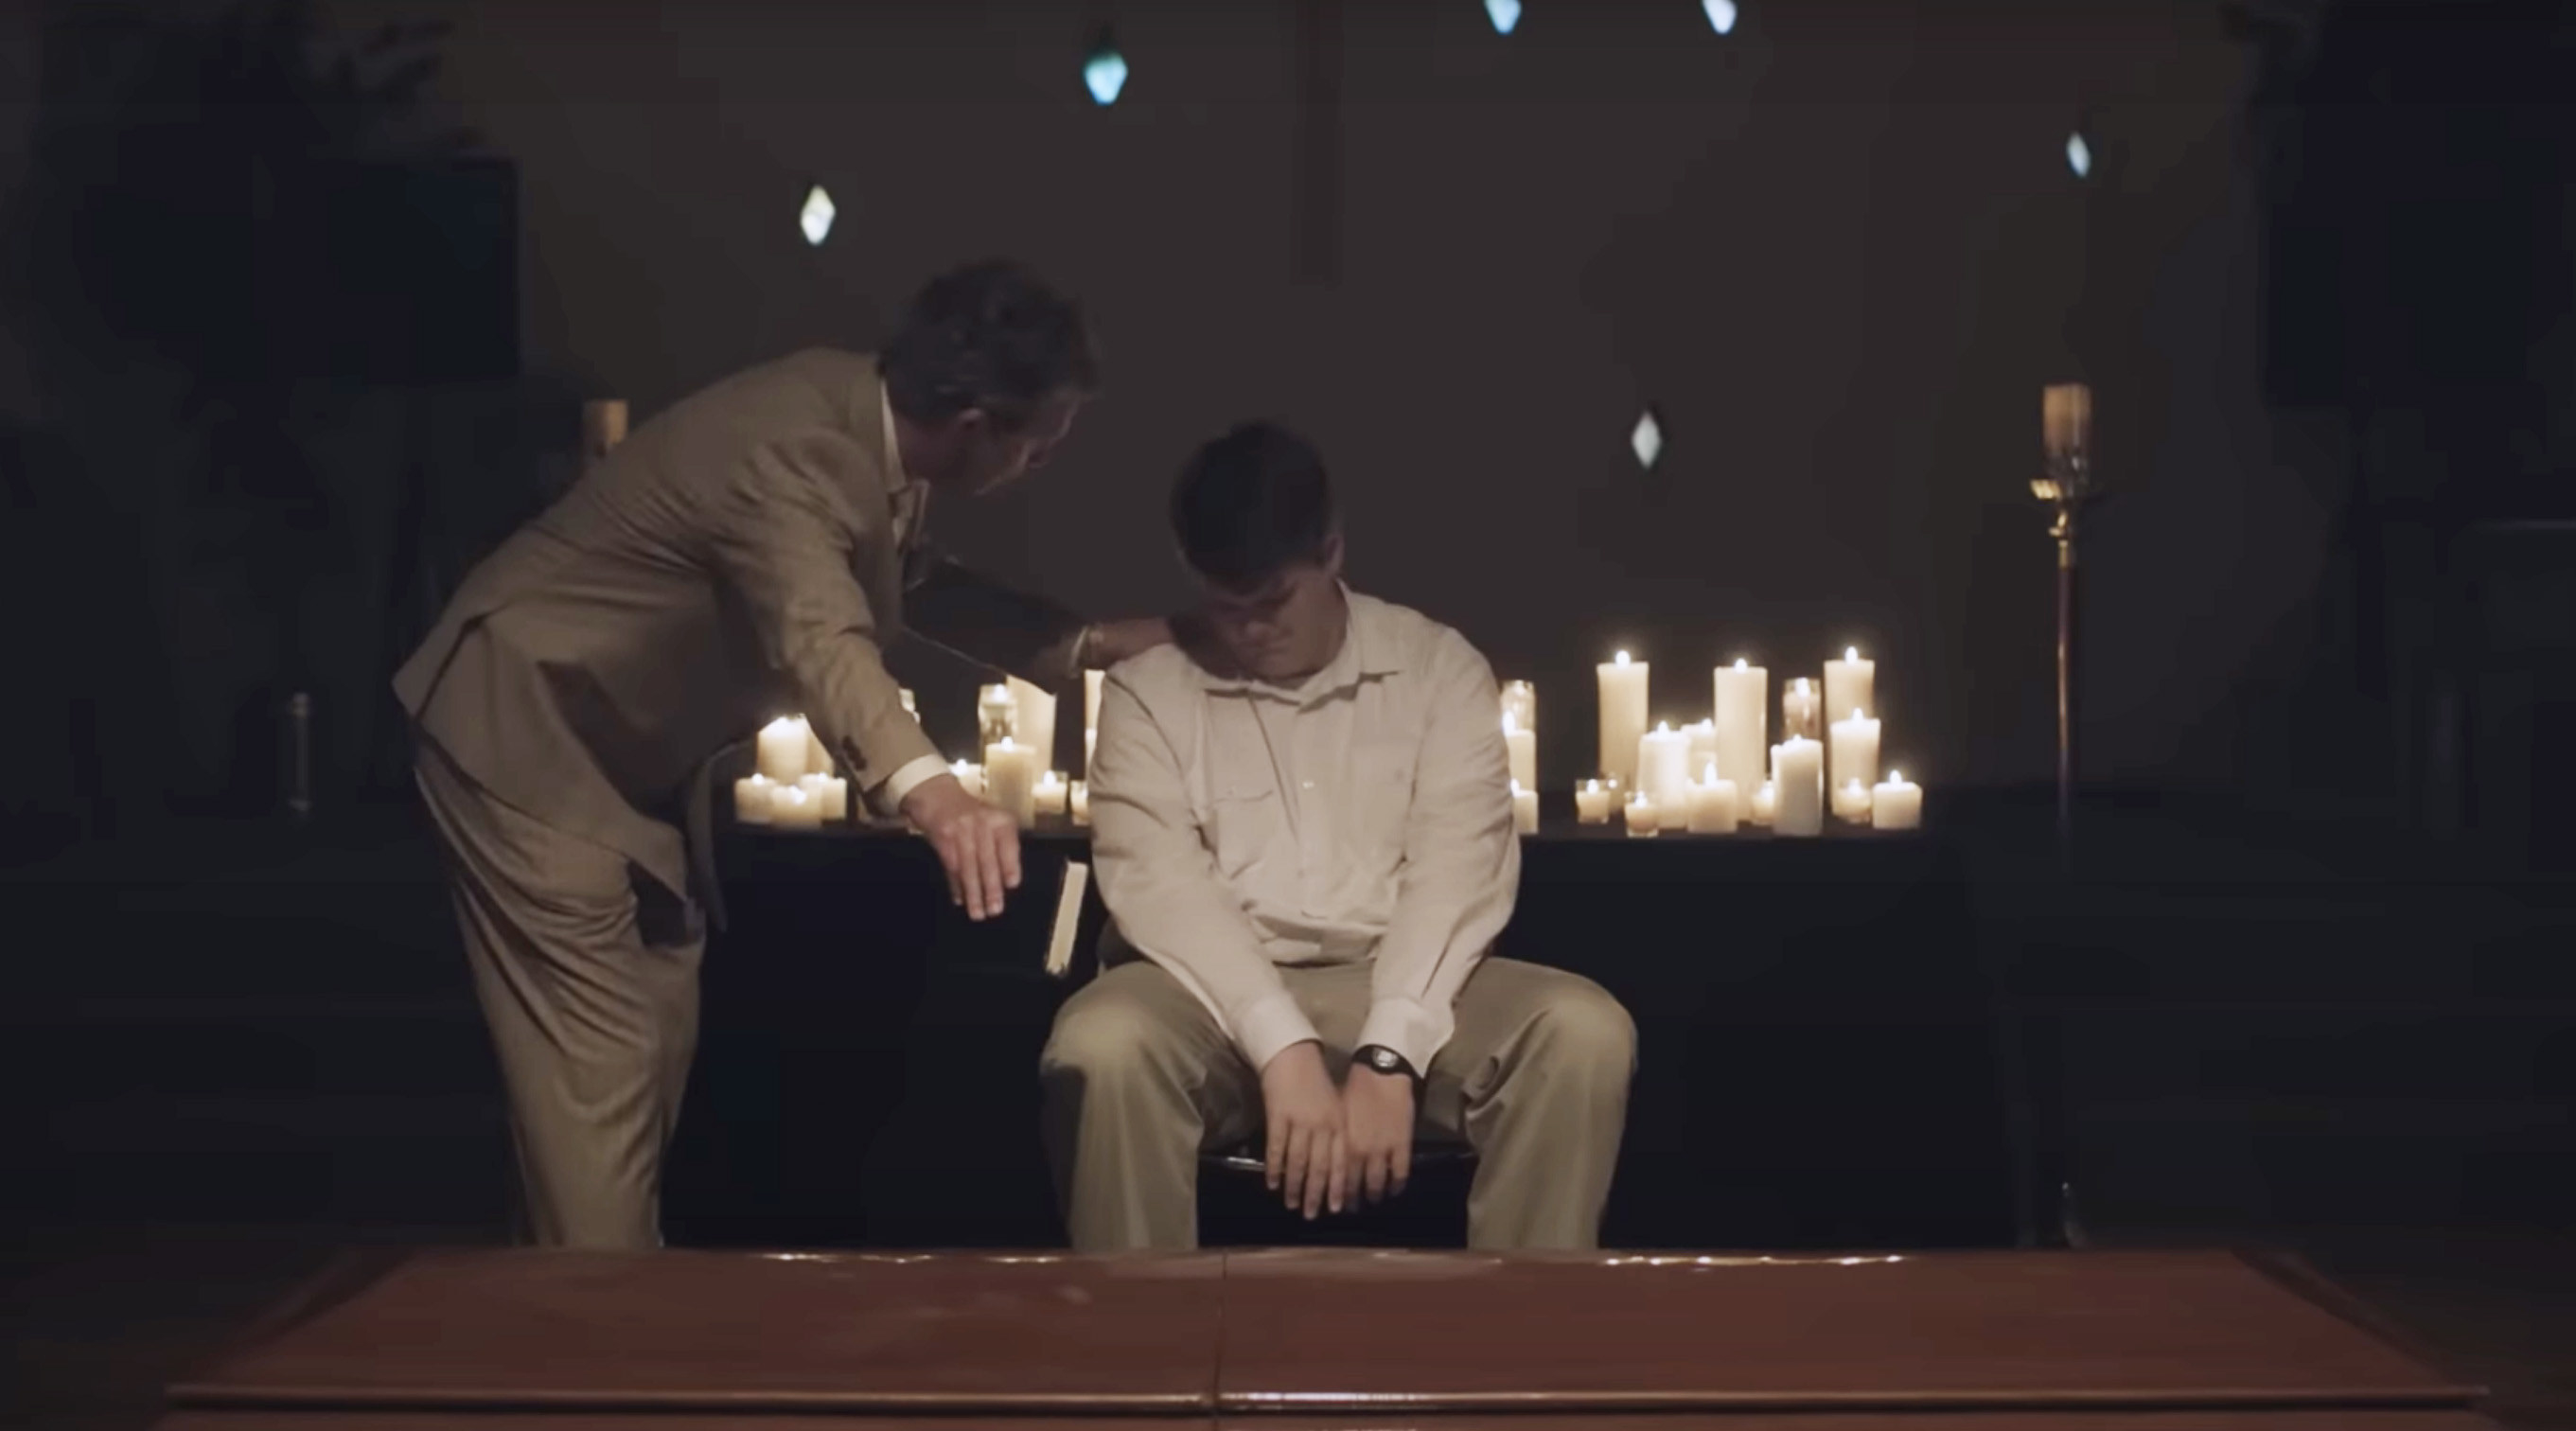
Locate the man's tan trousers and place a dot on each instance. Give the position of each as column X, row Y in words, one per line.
column 1140, row 1080
column 588, row 975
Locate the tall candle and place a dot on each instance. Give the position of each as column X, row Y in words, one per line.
column 1663, row 770
column 1851, row 684
column 1895, row 804
column 1800, row 801
column 2066, row 418
column 1520, row 702
column 997, row 715
column 1641, row 816
column 1851, row 802
column 751, row 799
column 1050, row 794
column 1078, row 800
column 1592, row 803
column 1703, row 743
column 1036, row 709
column 783, row 746
column 1712, row 804
column 1623, row 715
column 1524, row 809
column 1799, row 711
column 1522, row 744
column 1853, row 748
column 1743, row 719
column 1011, row 780
column 793, row 807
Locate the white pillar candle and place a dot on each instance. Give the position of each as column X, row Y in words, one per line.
column 1799, row 711
column 1851, row 802
column 1051, row 793
column 1524, row 809
column 1592, row 803
column 1712, row 804
column 783, row 745
column 1766, row 804
column 1703, row 743
column 1037, row 719
column 969, row 775
column 1623, row 715
column 1522, row 745
column 830, row 793
column 793, row 807
column 1011, row 780
column 1663, row 769
column 751, row 799
column 1853, row 751
column 1520, row 702
column 1896, row 804
column 1743, row 721
column 1091, row 698
column 997, row 715
column 1799, row 805
column 1851, row 684
column 1641, row 816
column 1078, row 800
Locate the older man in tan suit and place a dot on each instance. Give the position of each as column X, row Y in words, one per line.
column 745, row 552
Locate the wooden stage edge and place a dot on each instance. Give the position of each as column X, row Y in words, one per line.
column 1309, row 1340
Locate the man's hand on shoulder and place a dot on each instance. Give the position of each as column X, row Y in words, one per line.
column 1377, row 1120
column 978, row 845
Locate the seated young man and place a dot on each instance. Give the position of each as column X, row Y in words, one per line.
column 1302, row 824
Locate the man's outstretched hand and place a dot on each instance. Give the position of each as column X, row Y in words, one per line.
column 978, row 845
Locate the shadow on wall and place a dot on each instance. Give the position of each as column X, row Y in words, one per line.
column 270, row 298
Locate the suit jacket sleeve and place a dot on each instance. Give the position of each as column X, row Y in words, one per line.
column 788, row 536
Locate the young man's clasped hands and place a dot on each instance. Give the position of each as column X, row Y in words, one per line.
column 1328, row 1147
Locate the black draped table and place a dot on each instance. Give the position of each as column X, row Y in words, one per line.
column 1817, row 1059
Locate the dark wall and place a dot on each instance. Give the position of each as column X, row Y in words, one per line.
column 1840, row 250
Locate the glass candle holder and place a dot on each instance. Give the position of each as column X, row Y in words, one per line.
column 997, row 716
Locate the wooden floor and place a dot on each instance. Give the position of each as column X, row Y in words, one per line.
column 2259, row 1044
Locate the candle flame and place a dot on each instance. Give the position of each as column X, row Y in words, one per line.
column 1622, row 659
column 1516, row 787
column 1711, row 776
column 1511, row 723
column 784, row 723
column 1802, row 685
column 1663, row 727
column 1851, row 653
column 1856, row 715
column 1896, row 777
column 1739, row 663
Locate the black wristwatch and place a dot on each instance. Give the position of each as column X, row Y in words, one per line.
column 1378, row 1058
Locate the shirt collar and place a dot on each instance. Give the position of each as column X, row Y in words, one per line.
column 1367, row 652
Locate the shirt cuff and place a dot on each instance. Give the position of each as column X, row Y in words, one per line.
column 1270, row 1025
column 1409, row 1028
column 906, row 779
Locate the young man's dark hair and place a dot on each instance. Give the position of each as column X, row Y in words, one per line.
column 992, row 336
column 1251, row 504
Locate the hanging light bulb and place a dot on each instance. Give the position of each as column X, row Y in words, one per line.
column 816, row 217
column 2079, row 155
column 1105, row 73
column 1504, row 13
column 1721, row 15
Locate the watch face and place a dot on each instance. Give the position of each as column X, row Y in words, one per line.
column 1384, row 1060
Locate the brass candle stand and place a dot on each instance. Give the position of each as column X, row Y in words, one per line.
column 2067, row 490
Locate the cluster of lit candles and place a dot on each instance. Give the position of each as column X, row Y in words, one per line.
column 1714, row 776
column 795, row 785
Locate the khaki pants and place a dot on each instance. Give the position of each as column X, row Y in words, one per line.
column 587, row 971
column 1139, row 1080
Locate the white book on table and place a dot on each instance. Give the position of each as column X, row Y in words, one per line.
column 1068, row 917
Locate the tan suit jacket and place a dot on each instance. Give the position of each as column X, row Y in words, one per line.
column 733, row 560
